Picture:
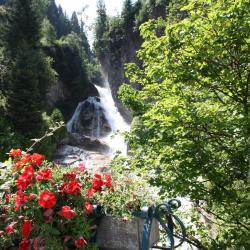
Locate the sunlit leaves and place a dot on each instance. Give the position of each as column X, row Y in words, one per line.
column 194, row 129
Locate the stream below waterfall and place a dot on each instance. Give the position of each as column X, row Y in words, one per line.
column 95, row 132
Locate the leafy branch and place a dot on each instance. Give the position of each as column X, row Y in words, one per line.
column 47, row 134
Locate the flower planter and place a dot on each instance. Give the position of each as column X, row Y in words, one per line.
column 116, row 234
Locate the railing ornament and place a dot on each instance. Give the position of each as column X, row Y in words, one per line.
column 169, row 222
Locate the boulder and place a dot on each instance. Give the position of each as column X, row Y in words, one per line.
column 89, row 119
column 88, row 143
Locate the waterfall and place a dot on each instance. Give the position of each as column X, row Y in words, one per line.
column 103, row 119
column 115, row 139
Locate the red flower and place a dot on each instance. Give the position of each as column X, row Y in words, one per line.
column 21, row 198
column 26, row 228
column 10, row 228
column 45, row 174
column 8, row 197
column 80, row 243
column 88, row 208
column 108, row 181
column 70, row 176
column 73, row 188
column 90, row 192
column 25, row 160
column 81, row 168
column 97, row 184
column 28, row 173
column 47, row 199
column 23, row 245
column 25, row 178
column 37, row 159
column 97, row 176
column 67, row 212
column 15, row 152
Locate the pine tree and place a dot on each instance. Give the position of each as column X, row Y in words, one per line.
column 63, row 28
column 23, row 27
column 75, row 27
column 30, row 72
column 84, row 41
column 101, row 29
column 53, row 14
column 128, row 16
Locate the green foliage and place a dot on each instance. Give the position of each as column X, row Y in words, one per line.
column 72, row 40
column 128, row 16
column 58, row 19
column 23, row 25
column 194, row 134
column 48, row 33
column 26, row 72
column 131, row 192
column 49, row 144
column 100, row 44
column 75, row 27
column 117, row 37
column 94, row 72
column 72, row 71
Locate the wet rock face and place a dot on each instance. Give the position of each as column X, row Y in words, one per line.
column 71, row 155
column 88, row 143
column 89, row 119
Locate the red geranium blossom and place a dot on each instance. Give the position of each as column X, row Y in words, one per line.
column 88, row 208
column 67, row 212
column 47, row 199
column 80, row 242
column 10, row 228
column 97, row 183
column 45, row 174
column 90, row 192
column 37, row 159
column 70, row 176
column 73, row 187
column 21, row 198
column 26, row 228
column 25, row 178
column 15, row 152
column 24, row 160
column 107, row 181
column 23, row 245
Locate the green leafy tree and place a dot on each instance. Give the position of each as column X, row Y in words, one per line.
column 193, row 137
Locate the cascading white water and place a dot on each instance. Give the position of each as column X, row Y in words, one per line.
column 106, row 104
column 115, row 139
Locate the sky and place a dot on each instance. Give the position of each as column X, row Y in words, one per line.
column 113, row 7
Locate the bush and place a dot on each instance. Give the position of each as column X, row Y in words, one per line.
column 45, row 205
